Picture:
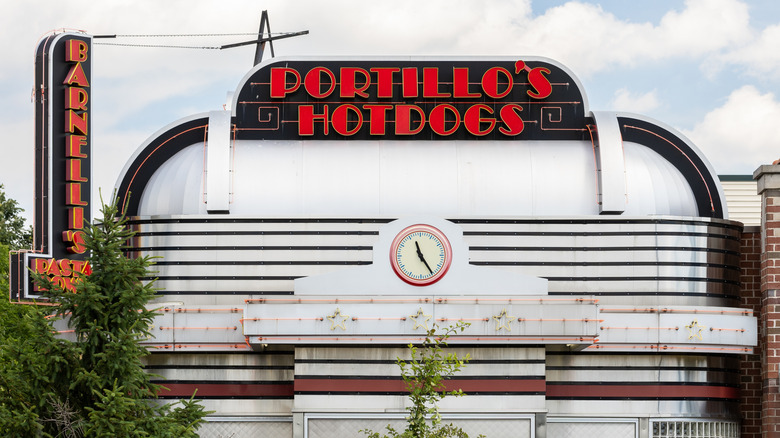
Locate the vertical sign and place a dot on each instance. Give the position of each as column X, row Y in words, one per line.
column 63, row 72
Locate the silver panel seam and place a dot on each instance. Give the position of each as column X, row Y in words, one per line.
column 218, row 164
column 611, row 164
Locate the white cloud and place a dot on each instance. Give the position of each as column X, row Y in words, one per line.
column 742, row 133
column 581, row 35
column 590, row 40
column 16, row 169
column 761, row 56
column 703, row 26
column 624, row 100
column 132, row 83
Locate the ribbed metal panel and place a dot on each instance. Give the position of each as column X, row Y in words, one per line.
column 209, row 266
column 744, row 203
column 671, row 261
column 228, row 383
column 626, row 384
column 368, row 379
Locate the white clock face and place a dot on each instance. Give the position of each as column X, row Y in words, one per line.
column 420, row 255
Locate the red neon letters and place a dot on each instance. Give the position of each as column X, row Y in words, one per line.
column 479, row 117
column 63, row 272
column 76, row 131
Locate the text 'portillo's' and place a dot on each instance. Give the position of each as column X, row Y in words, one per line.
column 406, row 100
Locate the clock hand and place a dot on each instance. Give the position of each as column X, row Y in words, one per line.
column 422, row 259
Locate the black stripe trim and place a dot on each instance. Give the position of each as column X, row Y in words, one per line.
column 220, row 397
column 716, row 223
column 538, row 263
column 593, row 279
column 453, row 378
column 635, row 383
column 163, row 292
column 601, row 234
column 640, row 368
column 289, row 352
column 725, row 296
column 224, row 278
column 253, row 248
column 405, row 345
column 733, row 177
column 388, row 361
column 651, row 294
column 223, row 220
column 465, row 233
column 483, row 263
column 523, row 347
column 211, row 292
column 471, row 248
column 220, row 367
column 644, row 398
column 648, row 278
column 602, row 249
column 649, row 355
column 260, row 263
column 223, row 382
column 257, row 233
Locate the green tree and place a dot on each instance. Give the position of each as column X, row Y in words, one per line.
column 425, row 375
column 4, row 268
column 94, row 386
column 13, row 233
column 34, row 368
column 25, row 339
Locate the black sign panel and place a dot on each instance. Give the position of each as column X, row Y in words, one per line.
column 63, row 164
column 411, row 100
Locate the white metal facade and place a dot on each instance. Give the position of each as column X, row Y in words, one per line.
column 600, row 300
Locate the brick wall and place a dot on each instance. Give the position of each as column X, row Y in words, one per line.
column 768, row 182
column 751, row 381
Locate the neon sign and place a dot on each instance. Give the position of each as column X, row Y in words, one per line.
column 409, row 100
column 443, row 119
column 63, row 70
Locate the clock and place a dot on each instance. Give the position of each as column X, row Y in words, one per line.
column 420, row 255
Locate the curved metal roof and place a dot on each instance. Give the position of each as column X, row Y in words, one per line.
column 248, row 161
column 396, row 178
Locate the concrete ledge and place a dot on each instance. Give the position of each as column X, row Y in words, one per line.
column 768, row 177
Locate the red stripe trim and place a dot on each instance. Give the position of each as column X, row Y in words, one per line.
column 226, row 390
column 641, row 391
column 386, row 385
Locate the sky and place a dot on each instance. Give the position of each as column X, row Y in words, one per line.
column 709, row 68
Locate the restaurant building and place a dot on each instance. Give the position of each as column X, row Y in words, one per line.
column 338, row 208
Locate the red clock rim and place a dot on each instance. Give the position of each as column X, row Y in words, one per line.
column 413, row 229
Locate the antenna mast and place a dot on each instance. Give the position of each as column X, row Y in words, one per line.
column 261, row 40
